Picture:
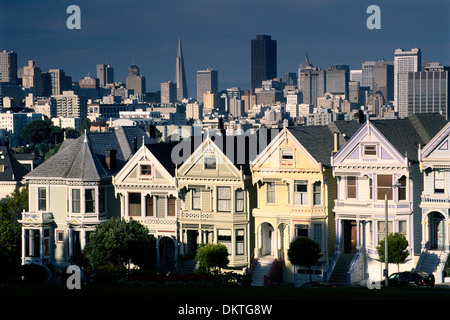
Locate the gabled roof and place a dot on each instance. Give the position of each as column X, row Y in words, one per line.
column 12, row 169
column 163, row 153
column 84, row 158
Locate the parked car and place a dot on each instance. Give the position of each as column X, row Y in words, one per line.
column 316, row 284
column 410, row 279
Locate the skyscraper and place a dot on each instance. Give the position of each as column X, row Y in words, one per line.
column 263, row 60
column 207, row 80
column 105, row 74
column 337, row 78
column 8, row 66
column 32, row 78
column 180, row 76
column 404, row 62
column 135, row 80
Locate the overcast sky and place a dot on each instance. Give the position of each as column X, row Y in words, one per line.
column 217, row 33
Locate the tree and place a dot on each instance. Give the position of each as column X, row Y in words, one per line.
column 120, row 243
column 85, row 125
column 11, row 209
column 303, row 251
column 212, row 256
column 397, row 245
column 36, row 131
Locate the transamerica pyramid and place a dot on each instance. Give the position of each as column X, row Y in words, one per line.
column 180, row 77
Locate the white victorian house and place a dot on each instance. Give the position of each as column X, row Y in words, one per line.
column 435, row 203
column 380, row 158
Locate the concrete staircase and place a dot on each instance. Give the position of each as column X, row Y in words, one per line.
column 430, row 263
column 339, row 274
column 261, row 269
column 188, row 267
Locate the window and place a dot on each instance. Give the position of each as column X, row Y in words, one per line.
column 224, row 198
column 270, row 192
column 42, row 199
column 288, row 192
column 171, row 200
column 384, row 183
column 76, row 201
column 301, row 230
column 60, row 236
column 287, row 154
column 301, row 192
column 32, row 243
column 148, row 206
column 101, row 199
column 370, row 150
column 370, row 188
column 210, row 162
column 240, row 242
column 196, row 199
column 439, row 181
column 402, row 227
column 317, row 193
column 370, row 233
column 318, row 234
column 134, row 204
column 89, row 202
column 402, row 188
column 351, row 187
column 381, row 230
column 146, row 171
column 239, row 200
column 224, row 237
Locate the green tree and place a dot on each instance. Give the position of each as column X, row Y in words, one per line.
column 85, row 125
column 397, row 245
column 212, row 256
column 36, row 131
column 11, row 209
column 303, row 251
column 120, row 243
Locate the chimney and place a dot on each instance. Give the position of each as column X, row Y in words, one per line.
column 336, row 142
column 110, row 158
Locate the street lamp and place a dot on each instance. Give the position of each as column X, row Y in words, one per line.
column 386, row 260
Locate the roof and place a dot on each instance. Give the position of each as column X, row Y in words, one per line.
column 163, row 152
column 11, row 168
column 84, row 158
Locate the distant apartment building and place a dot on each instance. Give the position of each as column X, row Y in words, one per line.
column 14, row 123
column 59, row 81
column 194, row 111
column 61, row 122
column 8, row 66
column 45, row 106
column 70, row 105
column 32, row 78
column 168, row 92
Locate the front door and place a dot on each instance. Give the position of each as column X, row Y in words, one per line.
column 349, row 236
column 192, row 237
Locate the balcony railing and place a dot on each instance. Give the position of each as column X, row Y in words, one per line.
column 37, row 217
column 209, row 216
column 436, row 199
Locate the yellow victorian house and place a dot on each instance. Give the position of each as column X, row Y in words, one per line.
column 296, row 192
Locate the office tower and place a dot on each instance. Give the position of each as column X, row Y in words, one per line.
column 354, row 92
column 135, row 81
column 312, row 82
column 207, row 80
column 70, row 105
column 263, row 60
column 8, row 66
column 32, row 78
column 404, row 62
column 383, row 79
column 428, row 91
column 59, row 81
column 337, row 78
column 249, row 99
column 356, row 75
column 180, row 76
column 168, row 92
column 105, row 74
column 290, row 78
column 367, row 74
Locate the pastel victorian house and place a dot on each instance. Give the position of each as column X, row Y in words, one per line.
column 435, row 203
column 296, row 192
column 214, row 183
column 71, row 193
column 380, row 158
column 148, row 193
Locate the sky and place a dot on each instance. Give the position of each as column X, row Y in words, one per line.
column 216, row 34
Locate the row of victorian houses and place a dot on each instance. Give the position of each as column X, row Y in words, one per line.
column 253, row 193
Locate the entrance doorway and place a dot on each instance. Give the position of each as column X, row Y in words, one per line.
column 437, row 230
column 349, row 236
column 166, row 252
column 192, row 238
column 267, row 239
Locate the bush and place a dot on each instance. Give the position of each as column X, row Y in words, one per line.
column 212, row 256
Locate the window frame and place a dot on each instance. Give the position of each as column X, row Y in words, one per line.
column 303, row 196
column 194, row 196
column 224, row 200
column 39, row 198
column 435, row 172
column 352, row 189
column 267, row 184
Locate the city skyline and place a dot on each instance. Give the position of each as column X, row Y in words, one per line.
column 216, row 35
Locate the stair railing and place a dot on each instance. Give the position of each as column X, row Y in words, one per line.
column 327, row 273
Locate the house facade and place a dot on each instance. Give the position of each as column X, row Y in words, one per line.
column 296, row 192
column 148, row 193
column 217, row 198
column 71, row 193
column 380, row 158
column 435, row 203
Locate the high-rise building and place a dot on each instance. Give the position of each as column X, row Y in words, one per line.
column 59, row 81
column 168, row 92
column 356, row 75
column 180, row 75
column 32, row 78
column 263, row 60
column 207, row 80
column 70, row 105
column 428, row 91
column 135, row 80
column 404, row 62
column 383, row 79
column 8, row 66
column 367, row 74
column 312, row 82
column 337, row 78
column 105, row 74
